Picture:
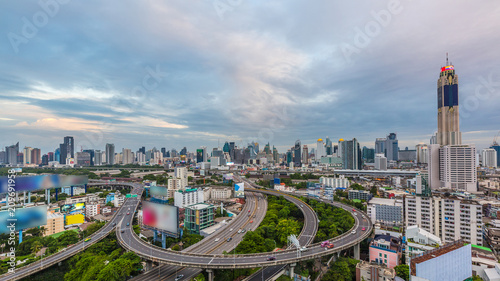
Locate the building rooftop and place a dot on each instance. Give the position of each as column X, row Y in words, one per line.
column 435, row 253
column 51, row 215
column 199, row 206
column 383, row 201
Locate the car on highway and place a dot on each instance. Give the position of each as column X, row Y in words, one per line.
column 329, row 246
column 249, row 211
column 303, row 249
column 239, row 231
column 123, row 231
column 325, row 243
column 88, row 239
column 353, row 232
column 217, row 239
column 128, row 213
column 230, row 230
column 251, row 221
column 271, row 258
column 179, row 277
column 128, row 223
column 114, row 223
column 363, row 229
column 354, row 210
column 229, row 239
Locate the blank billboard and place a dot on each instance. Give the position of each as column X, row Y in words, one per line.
column 162, row 217
column 32, row 183
column 239, row 189
column 75, row 219
column 23, row 218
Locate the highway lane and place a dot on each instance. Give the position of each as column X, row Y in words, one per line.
column 255, row 203
column 76, row 248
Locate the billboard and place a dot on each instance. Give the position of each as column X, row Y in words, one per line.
column 32, row 183
column 228, row 176
column 159, row 216
column 75, row 219
column 158, row 191
column 24, row 218
column 73, row 208
column 239, row 190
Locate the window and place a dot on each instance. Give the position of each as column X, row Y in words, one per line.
column 385, row 256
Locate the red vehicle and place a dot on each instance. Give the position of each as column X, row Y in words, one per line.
column 249, row 211
column 329, row 246
column 251, row 221
column 354, row 210
column 363, row 229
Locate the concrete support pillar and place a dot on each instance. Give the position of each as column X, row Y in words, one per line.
column 210, row 274
column 17, row 197
column 292, row 269
column 334, row 258
column 163, row 240
column 156, row 236
column 149, row 265
column 24, row 197
column 71, row 190
column 48, row 196
column 29, row 196
column 356, row 252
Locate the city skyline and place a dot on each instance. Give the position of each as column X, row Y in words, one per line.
column 304, row 83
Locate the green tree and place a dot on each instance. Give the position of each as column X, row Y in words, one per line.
column 285, row 228
column 36, row 246
column 403, row 271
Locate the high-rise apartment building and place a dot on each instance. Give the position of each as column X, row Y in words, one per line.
column 391, row 147
column 380, row 145
column 97, row 158
column 496, row 147
column 320, row 150
column 449, row 218
column 305, row 154
column 67, row 149
column 110, row 154
column 128, row 156
column 489, row 158
column 36, row 156
column 457, row 169
column 448, row 109
column 11, row 154
column 27, row 155
column 380, row 162
column 422, row 153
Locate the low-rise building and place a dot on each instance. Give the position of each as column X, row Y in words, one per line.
column 482, row 258
column 340, row 182
column 374, row 272
column 55, row 223
column 386, row 249
column 388, row 212
column 92, row 210
column 184, row 198
column 221, row 192
column 360, row 195
column 419, row 241
column 198, row 217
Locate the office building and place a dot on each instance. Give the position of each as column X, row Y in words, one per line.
column 36, row 156
column 67, row 149
column 368, row 154
column 83, row 159
column 449, row 218
column 305, row 154
column 184, row 198
column 45, row 159
column 110, row 154
column 57, row 155
column 221, row 192
column 457, row 170
column 391, row 147
column 380, row 145
column 449, row 262
column 198, row 217
column 489, row 156
column 11, row 154
column 374, row 272
column 380, row 162
column 350, row 154
column 385, row 249
column 320, row 150
column 407, row 155
column 55, row 223
column 496, row 147
column 297, row 162
column 181, row 173
column 448, row 108
column 387, row 212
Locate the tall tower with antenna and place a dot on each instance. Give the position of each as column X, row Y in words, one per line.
column 448, row 106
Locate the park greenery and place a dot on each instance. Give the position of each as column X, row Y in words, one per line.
column 344, row 269
column 333, row 221
column 104, row 260
column 34, row 241
column 403, row 271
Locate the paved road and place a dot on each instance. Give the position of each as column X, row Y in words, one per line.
column 255, row 203
column 70, row 251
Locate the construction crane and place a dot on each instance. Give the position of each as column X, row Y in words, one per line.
column 495, row 139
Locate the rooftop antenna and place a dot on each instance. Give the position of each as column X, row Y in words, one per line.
column 447, row 58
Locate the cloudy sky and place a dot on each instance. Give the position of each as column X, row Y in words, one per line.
column 190, row 73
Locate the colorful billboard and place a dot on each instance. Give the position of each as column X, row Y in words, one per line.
column 228, row 176
column 239, row 190
column 73, row 208
column 159, row 216
column 23, row 218
column 75, row 219
column 32, row 183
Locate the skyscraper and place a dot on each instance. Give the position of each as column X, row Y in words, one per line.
column 36, row 156
column 91, row 152
column 67, row 149
column 110, row 154
column 11, row 154
column 391, row 147
column 297, row 162
column 489, row 158
column 328, row 146
column 320, row 150
column 448, row 109
column 27, row 155
column 496, row 147
column 305, row 154
column 351, row 155
column 380, row 145
column 97, row 158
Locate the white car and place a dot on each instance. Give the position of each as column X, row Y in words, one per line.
column 217, row 239
column 353, row 232
column 239, row 231
column 230, row 230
